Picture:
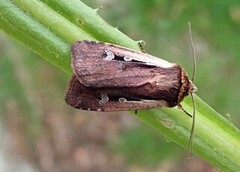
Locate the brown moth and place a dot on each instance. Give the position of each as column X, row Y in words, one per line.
column 109, row 77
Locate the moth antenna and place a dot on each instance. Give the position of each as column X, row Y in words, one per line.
column 190, row 141
column 193, row 50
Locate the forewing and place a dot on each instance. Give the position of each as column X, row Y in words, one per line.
column 81, row 97
column 106, row 65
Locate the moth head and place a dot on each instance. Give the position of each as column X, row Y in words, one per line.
column 191, row 88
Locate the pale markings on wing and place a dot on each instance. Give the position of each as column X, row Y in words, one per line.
column 143, row 57
column 127, row 58
column 109, row 55
column 122, row 100
column 153, row 61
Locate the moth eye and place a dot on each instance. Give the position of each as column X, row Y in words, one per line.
column 109, row 55
column 127, row 58
column 122, row 100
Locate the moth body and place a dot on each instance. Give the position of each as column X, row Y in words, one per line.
column 108, row 77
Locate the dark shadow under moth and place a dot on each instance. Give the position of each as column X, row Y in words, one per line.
column 109, row 77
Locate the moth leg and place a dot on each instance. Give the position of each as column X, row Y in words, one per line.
column 141, row 43
column 180, row 107
column 125, row 100
column 104, row 98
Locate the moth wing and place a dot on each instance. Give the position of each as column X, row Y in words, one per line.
column 81, row 97
column 105, row 65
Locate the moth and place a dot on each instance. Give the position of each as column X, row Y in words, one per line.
column 109, row 77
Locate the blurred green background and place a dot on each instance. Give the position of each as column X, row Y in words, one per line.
column 43, row 132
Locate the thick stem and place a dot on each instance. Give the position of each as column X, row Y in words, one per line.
column 48, row 28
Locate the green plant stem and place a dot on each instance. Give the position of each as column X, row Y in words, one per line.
column 48, row 28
